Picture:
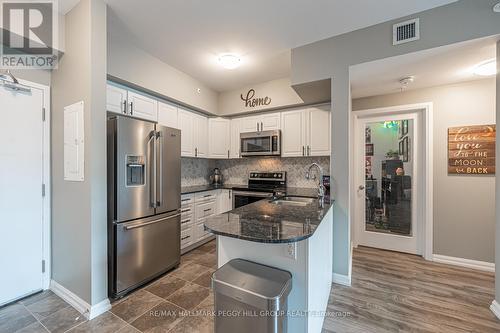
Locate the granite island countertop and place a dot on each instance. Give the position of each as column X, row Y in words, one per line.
column 204, row 188
column 267, row 222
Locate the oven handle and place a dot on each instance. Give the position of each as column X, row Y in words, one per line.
column 253, row 194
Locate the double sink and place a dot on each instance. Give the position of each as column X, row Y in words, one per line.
column 293, row 201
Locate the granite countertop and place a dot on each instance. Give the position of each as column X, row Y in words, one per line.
column 268, row 222
column 203, row 188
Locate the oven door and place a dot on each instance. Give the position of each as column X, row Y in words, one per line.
column 241, row 198
column 260, row 143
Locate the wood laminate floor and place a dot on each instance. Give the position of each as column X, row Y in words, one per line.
column 391, row 292
column 395, row 292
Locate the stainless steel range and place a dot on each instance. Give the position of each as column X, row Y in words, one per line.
column 260, row 185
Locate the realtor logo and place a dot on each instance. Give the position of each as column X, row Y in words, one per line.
column 29, row 34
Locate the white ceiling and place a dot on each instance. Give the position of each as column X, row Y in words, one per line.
column 435, row 67
column 189, row 34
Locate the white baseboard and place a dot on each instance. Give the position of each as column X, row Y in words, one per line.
column 495, row 308
column 344, row 280
column 90, row 312
column 468, row 263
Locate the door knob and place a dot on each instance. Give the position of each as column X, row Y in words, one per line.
column 361, row 187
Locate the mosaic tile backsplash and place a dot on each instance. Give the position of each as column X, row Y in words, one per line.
column 235, row 171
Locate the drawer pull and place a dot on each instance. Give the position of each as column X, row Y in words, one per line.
column 185, row 210
column 207, row 195
column 185, row 221
column 185, row 237
column 185, row 199
column 207, row 210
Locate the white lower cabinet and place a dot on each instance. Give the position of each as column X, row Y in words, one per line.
column 224, row 201
column 195, row 208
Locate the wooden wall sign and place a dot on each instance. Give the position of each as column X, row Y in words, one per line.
column 471, row 150
column 251, row 102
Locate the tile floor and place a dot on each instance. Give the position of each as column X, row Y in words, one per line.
column 181, row 301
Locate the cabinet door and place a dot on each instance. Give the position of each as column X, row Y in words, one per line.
column 218, row 137
column 201, row 136
column 234, row 150
column 293, row 134
column 116, row 99
column 143, row 107
column 249, row 124
column 167, row 115
column 224, row 201
column 185, row 122
column 319, row 131
column 270, row 122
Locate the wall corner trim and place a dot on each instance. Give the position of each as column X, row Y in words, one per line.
column 344, row 280
column 90, row 312
column 495, row 308
column 467, row 263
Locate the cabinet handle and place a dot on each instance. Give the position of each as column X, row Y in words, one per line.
column 228, row 153
column 229, row 194
column 131, row 108
column 207, row 195
column 303, row 151
column 257, row 127
column 185, row 210
column 261, row 126
column 185, row 237
column 185, row 221
column 125, row 107
column 185, row 199
column 207, row 210
column 308, row 150
column 196, row 152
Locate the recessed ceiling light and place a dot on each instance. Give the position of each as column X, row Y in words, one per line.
column 487, row 68
column 229, row 61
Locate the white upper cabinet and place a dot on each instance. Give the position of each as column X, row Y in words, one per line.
column 143, row 107
column 270, row 121
column 200, row 136
column 319, row 131
column 249, row 124
column 293, row 136
column 167, row 115
column 186, row 125
column 219, row 131
column 306, row 132
column 234, row 150
column 116, row 99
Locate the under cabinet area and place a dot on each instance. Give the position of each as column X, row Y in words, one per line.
column 306, row 132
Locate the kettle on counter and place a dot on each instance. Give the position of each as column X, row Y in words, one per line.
column 216, row 177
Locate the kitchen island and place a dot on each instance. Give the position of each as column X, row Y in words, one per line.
column 295, row 235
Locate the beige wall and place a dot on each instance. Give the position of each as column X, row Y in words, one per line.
column 79, row 256
column 133, row 65
column 280, row 91
column 464, row 206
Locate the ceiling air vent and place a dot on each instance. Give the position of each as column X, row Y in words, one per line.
column 407, row 31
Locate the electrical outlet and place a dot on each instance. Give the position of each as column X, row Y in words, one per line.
column 291, row 250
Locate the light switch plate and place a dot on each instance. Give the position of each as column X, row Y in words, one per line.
column 291, row 250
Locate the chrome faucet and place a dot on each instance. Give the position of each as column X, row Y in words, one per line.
column 321, row 187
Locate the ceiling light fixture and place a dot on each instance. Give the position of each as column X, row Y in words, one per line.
column 406, row 81
column 229, row 61
column 486, row 68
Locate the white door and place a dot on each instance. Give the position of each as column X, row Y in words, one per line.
column 234, row 150
column 186, row 126
column 21, row 202
column 319, row 129
column 116, row 99
column 293, row 136
column 143, row 107
column 388, row 169
column 167, row 115
column 249, row 124
column 201, row 136
column 219, row 137
column 270, row 121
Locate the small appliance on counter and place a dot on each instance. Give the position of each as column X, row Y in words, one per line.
column 216, row 177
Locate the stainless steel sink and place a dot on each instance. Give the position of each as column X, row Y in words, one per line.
column 294, row 201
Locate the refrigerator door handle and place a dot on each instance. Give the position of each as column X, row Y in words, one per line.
column 140, row 225
column 159, row 175
column 153, row 171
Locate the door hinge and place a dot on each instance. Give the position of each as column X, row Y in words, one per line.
column 43, row 114
column 43, row 266
column 43, row 190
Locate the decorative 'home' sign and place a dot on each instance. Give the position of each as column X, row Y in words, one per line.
column 251, row 102
column 471, row 150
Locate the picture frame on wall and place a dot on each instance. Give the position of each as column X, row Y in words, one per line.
column 401, row 147
column 400, row 129
column 406, row 149
column 368, row 134
column 369, row 149
column 404, row 128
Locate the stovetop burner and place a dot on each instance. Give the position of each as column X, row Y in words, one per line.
column 265, row 182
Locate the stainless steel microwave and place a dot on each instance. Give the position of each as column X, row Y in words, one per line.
column 263, row 143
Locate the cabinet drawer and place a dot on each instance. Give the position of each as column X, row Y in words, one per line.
column 186, row 237
column 199, row 232
column 187, row 210
column 206, row 209
column 205, row 196
column 186, row 222
column 187, row 199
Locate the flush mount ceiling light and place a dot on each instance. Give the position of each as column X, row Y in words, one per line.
column 229, row 61
column 487, row 68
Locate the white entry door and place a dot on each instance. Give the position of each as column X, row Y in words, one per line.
column 21, row 201
column 388, row 170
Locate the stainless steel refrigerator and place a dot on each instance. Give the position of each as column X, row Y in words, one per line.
column 144, row 185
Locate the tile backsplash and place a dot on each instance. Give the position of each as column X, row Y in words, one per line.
column 235, row 171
